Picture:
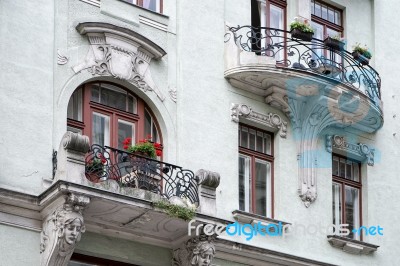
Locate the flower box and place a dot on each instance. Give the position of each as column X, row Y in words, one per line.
column 305, row 36
column 334, row 44
column 360, row 58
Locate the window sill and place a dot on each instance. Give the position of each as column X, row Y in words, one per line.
column 251, row 218
column 350, row 245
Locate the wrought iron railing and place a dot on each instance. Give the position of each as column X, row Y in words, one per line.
column 135, row 171
column 313, row 56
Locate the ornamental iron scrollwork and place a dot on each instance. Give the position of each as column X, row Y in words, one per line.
column 314, row 56
column 136, row 171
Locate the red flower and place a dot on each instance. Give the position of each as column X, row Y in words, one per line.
column 127, row 141
column 103, row 160
column 157, row 145
column 158, row 152
column 126, row 146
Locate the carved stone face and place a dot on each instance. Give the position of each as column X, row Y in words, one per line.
column 73, row 231
column 205, row 258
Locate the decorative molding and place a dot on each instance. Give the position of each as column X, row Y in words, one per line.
column 62, row 229
column 153, row 23
column 358, row 150
column 351, row 246
column 120, row 53
column 208, row 178
column 251, row 218
column 173, row 94
column 61, row 59
column 199, row 251
column 92, row 2
column 270, row 119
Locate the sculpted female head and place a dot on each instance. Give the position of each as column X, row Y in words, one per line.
column 203, row 254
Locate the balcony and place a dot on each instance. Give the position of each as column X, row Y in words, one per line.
column 316, row 84
column 133, row 173
column 118, row 194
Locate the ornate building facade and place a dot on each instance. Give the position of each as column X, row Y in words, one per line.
column 161, row 132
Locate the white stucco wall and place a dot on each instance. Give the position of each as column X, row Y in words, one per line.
column 197, row 130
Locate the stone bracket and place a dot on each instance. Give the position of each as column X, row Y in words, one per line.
column 63, row 225
column 270, row 120
column 208, row 182
column 356, row 150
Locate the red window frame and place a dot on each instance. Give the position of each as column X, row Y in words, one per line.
column 88, row 107
column 263, row 156
column 351, row 183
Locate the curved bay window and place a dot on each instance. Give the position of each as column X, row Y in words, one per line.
column 108, row 114
column 255, row 171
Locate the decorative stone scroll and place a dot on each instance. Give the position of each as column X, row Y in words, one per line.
column 270, row 119
column 120, row 53
column 62, row 229
column 198, row 251
column 360, row 149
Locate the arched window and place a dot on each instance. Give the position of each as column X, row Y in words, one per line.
column 108, row 114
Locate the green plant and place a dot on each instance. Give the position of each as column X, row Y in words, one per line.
column 96, row 164
column 151, row 149
column 362, row 50
column 175, row 210
column 301, row 26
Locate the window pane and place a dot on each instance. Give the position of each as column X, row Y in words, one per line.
column 335, row 166
column 153, row 5
column 125, row 130
column 331, row 16
column 252, row 139
column 349, row 170
column 337, row 203
column 75, row 106
column 244, row 142
column 337, row 18
column 318, row 9
column 262, row 175
column 356, row 171
column 244, row 182
column 101, row 129
column 259, row 142
column 324, row 11
column 342, row 168
column 318, row 34
column 147, row 125
column 132, row 104
column 268, row 143
column 276, row 22
column 113, row 96
column 95, row 94
column 352, row 210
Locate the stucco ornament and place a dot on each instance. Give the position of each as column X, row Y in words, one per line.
column 198, row 251
column 359, row 151
column 120, row 53
column 270, row 120
column 62, row 229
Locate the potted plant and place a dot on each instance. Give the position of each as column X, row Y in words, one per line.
column 144, row 147
column 94, row 168
column 335, row 42
column 301, row 30
column 361, row 54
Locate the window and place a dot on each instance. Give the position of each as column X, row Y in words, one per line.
column 346, row 188
column 326, row 21
column 108, row 114
column 255, row 170
column 271, row 15
column 153, row 5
